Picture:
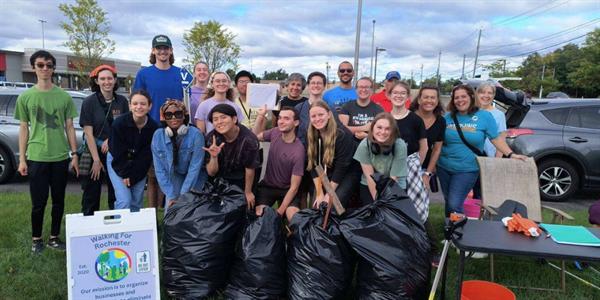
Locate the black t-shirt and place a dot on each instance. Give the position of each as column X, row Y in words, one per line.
column 285, row 101
column 412, row 129
column 236, row 156
column 94, row 110
column 435, row 133
column 359, row 115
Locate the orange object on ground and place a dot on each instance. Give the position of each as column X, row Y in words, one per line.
column 485, row 290
column 526, row 226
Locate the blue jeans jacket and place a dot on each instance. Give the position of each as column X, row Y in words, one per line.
column 189, row 172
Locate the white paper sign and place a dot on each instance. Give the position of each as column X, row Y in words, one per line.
column 113, row 255
column 260, row 94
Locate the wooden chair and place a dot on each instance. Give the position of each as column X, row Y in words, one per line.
column 511, row 179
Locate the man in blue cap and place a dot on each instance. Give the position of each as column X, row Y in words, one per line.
column 383, row 98
column 162, row 80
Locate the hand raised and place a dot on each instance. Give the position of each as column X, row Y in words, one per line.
column 213, row 149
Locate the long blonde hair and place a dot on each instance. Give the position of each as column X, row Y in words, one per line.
column 327, row 135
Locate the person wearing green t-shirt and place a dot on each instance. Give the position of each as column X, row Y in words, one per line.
column 46, row 115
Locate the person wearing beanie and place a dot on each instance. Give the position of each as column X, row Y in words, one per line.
column 177, row 153
column 241, row 80
column 98, row 112
column 232, row 150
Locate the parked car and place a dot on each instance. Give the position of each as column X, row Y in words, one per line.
column 9, row 129
column 563, row 136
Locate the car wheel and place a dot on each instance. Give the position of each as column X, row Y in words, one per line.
column 558, row 180
column 7, row 169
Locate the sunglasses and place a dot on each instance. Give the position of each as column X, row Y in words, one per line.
column 169, row 115
column 42, row 65
column 345, row 70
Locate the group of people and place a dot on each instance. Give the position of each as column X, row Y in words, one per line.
column 153, row 138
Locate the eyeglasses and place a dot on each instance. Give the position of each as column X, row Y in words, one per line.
column 345, row 70
column 363, row 87
column 243, row 81
column 221, row 81
column 316, row 83
column 169, row 115
column 42, row 65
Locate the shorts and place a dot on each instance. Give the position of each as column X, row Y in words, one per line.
column 267, row 195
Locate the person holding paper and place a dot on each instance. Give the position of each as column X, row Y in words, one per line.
column 332, row 148
column 242, row 78
column 219, row 92
column 285, row 163
column 337, row 96
column 232, row 150
column 295, row 85
column 357, row 115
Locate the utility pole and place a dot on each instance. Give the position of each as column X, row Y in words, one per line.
column 463, row 68
column 357, row 43
column 437, row 73
column 504, row 67
column 377, row 50
column 421, row 80
column 327, row 70
column 476, row 53
column 542, row 83
column 43, row 36
column 411, row 79
column 372, row 50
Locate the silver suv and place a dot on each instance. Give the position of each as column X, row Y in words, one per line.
column 9, row 129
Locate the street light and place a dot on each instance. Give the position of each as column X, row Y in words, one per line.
column 377, row 50
column 372, row 50
column 43, row 38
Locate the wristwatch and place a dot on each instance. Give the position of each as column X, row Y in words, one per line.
column 509, row 154
column 73, row 153
column 427, row 173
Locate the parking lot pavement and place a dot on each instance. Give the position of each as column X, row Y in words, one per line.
column 581, row 201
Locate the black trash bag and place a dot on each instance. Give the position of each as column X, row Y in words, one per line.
column 392, row 246
column 200, row 232
column 320, row 261
column 259, row 270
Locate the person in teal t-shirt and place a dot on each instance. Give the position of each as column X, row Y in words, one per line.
column 457, row 167
column 46, row 115
column 384, row 152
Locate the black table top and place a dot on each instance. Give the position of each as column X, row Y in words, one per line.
column 493, row 237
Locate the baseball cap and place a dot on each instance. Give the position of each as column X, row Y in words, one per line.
column 161, row 40
column 392, row 74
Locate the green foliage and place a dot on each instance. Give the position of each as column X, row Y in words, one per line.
column 212, row 43
column 88, row 28
column 587, row 75
column 280, row 74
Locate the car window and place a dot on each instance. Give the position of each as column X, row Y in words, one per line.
column 4, row 101
column 585, row 117
column 557, row 116
column 12, row 104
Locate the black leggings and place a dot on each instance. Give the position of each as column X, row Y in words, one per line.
column 44, row 176
column 92, row 190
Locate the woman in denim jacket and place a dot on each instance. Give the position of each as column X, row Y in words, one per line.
column 177, row 153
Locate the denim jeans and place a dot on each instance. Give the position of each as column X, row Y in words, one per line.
column 456, row 187
column 127, row 197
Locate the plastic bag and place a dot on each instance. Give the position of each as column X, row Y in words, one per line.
column 320, row 261
column 200, row 232
column 259, row 270
column 392, row 246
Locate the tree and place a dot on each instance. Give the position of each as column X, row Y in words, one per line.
column 88, row 29
column 211, row 43
column 280, row 74
column 587, row 74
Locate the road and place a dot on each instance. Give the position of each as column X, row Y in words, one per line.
column 581, row 201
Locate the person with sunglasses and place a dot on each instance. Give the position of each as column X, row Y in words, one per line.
column 344, row 92
column 382, row 151
column 177, row 153
column 162, row 81
column 98, row 112
column 46, row 134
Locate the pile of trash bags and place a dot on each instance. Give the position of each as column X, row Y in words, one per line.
column 211, row 242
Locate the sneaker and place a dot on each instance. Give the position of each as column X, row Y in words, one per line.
column 56, row 244
column 37, row 246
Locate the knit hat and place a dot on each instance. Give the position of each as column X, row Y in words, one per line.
column 223, row 108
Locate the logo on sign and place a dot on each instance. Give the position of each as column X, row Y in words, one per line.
column 142, row 261
column 113, row 264
column 186, row 78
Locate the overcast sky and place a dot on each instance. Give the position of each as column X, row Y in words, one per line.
column 301, row 36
